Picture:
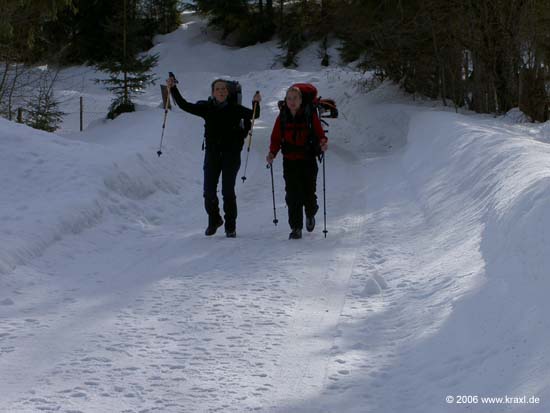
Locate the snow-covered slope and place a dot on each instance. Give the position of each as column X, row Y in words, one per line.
column 432, row 282
column 458, row 231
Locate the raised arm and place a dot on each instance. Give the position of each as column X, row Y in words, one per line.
column 193, row 108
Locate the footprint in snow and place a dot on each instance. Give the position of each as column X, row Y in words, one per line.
column 381, row 281
column 372, row 287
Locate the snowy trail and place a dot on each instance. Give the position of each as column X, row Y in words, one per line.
column 385, row 289
column 189, row 313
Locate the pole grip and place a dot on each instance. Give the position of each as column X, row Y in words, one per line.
column 171, row 75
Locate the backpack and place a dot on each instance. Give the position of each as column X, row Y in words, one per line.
column 325, row 108
column 236, row 97
column 235, row 92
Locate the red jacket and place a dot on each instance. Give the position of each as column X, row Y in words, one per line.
column 295, row 135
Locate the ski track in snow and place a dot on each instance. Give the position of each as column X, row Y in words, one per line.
column 373, row 309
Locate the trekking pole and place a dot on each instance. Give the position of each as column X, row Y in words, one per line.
column 250, row 139
column 170, row 75
column 323, row 159
column 275, row 220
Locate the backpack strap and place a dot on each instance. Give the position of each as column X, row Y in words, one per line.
column 282, row 119
column 313, row 142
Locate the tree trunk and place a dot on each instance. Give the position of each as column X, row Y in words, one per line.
column 281, row 15
column 13, row 87
column 441, row 86
column 269, row 13
column 4, row 79
column 124, row 33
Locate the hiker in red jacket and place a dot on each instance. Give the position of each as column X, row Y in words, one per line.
column 300, row 143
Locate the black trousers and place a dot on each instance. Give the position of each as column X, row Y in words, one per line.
column 227, row 165
column 300, row 186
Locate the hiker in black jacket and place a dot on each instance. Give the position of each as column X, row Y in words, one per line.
column 224, row 139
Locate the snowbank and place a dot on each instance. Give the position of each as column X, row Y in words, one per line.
column 55, row 186
column 486, row 190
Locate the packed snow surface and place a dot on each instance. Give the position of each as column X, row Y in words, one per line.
column 429, row 293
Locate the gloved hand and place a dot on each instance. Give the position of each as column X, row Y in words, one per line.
column 170, row 82
column 257, row 97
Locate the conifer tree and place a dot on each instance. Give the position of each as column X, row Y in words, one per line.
column 226, row 15
column 128, row 73
column 21, row 25
column 43, row 109
column 161, row 16
column 487, row 55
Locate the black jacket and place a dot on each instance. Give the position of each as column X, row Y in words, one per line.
column 222, row 128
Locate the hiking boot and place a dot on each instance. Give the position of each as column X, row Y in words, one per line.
column 230, row 228
column 310, row 223
column 295, row 234
column 213, row 225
